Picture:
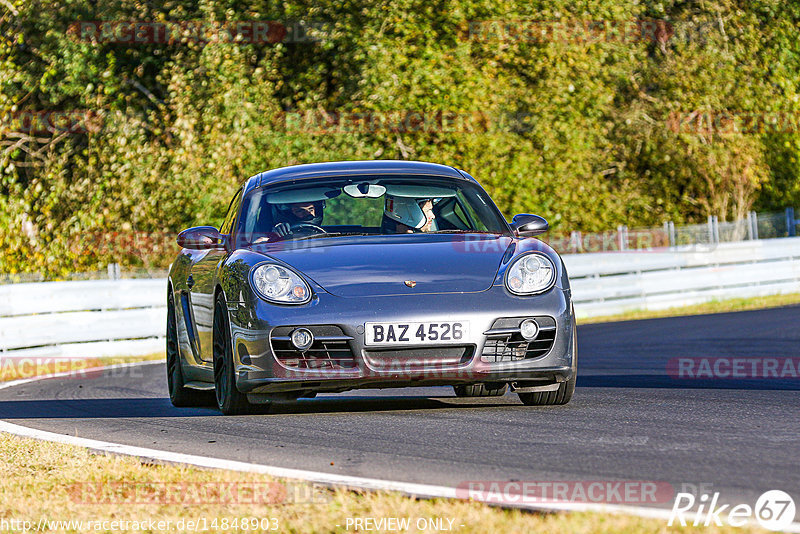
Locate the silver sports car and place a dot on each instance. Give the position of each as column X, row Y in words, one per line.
column 368, row 274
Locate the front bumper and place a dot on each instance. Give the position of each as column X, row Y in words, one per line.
column 258, row 371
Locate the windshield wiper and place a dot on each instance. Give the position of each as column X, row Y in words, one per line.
column 327, row 234
column 459, row 232
column 289, row 238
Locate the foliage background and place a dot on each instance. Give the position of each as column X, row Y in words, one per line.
column 580, row 129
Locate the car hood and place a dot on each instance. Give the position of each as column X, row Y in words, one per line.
column 380, row 266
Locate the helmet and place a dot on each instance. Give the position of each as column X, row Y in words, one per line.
column 405, row 210
column 285, row 213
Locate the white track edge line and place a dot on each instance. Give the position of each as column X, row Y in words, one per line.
column 328, row 479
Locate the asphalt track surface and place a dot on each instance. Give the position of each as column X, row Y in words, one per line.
column 629, row 419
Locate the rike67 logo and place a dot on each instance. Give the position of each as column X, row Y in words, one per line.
column 774, row 510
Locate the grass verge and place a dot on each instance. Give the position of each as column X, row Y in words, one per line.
column 714, row 306
column 42, row 481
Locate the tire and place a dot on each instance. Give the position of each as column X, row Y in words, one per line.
column 565, row 390
column 179, row 395
column 493, row 389
column 230, row 400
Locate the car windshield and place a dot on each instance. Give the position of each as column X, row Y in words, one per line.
column 367, row 205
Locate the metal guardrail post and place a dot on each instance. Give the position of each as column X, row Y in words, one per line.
column 666, row 233
column 672, row 238
column 113, row 271
column 755, row 225
column 752, row 226
column 710, row 228
column 575, row 241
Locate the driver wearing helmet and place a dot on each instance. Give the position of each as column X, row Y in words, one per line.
column 410, row 215
column 291, row 215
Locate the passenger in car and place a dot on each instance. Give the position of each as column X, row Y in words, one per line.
column 409, row 215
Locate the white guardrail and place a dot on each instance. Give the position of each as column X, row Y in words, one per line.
column 89, row 318
column 608, row 283
column 125, row 317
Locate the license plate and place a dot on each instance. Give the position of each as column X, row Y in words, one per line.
column 416, row 333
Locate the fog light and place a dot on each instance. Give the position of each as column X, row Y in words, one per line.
column 529, row 329
column 302, row 339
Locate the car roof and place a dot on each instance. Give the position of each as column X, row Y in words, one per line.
column 354, row 168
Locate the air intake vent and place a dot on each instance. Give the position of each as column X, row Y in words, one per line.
column 504, row 343
column 422, row 359
column 330, row 350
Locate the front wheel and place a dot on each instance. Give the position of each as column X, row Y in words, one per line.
column 565, row 390
column 230, row 400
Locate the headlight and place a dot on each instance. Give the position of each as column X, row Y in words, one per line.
column 530, row 274
column 276, row 283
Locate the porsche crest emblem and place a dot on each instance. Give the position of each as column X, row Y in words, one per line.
column 410, row 283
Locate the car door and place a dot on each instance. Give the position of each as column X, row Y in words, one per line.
column 201, row 284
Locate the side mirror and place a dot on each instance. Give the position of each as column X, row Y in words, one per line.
column 527, row 225
column 201, row 238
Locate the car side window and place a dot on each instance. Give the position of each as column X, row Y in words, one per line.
column 230, row 217
column 467, row 211
column 255, row 221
